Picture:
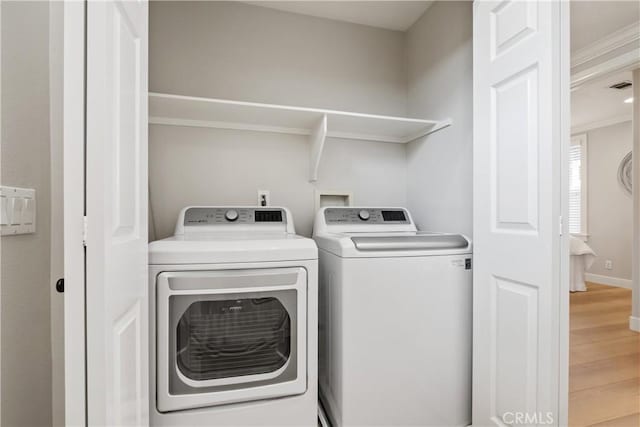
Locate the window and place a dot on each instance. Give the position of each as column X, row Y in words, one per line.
column 578, row 185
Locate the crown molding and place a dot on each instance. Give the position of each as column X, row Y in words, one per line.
column 615, row 40
column 600, row 124
column 626, row 61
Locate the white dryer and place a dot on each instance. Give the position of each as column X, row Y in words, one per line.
column 233, row 321
column 395, row 320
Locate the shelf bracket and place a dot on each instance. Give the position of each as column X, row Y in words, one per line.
column 317, row 139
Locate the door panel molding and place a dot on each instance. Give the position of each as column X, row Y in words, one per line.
column 515, row 152
column 512, row 22
column 127, row 368
column 514, row 337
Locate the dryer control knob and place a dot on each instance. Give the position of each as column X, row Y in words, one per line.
column 231, row 215
column 364, row 215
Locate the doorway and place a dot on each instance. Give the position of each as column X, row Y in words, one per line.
column 604, row 349
column 604, row 379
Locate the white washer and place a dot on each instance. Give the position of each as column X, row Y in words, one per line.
column 233, row 318
column 395, row 320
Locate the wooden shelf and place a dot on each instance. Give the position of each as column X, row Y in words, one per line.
column 318, row 124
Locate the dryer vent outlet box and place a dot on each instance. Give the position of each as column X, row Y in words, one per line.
column 333, row 198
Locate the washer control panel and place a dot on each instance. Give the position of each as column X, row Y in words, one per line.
column 232, row 215
column 365, row 216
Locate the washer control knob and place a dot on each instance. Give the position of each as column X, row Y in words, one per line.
column 231, row 215
column 364, row 215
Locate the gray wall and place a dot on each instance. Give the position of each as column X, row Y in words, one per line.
column 251, row 53
column 440, row 73
column 196, row 166
column 609, row 208
column 244, row 52
column 56, row 61
column 26, row 333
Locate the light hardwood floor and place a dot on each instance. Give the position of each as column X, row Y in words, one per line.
column 604, row 372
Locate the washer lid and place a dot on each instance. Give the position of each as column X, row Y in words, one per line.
column 231, row 247
column 417, row 243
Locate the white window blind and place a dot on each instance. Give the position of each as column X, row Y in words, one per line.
column 577, row 185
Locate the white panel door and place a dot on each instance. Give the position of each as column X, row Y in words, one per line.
column 519, row 135
column 116, row 210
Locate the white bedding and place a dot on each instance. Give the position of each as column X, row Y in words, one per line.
column 582, row 257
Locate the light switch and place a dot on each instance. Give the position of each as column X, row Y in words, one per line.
column 28, row 211
column 5, row 210
column 16, row 212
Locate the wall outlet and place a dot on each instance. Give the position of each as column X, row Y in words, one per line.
column 608, row 264
column 264, row 198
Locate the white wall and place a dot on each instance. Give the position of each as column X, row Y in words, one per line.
column 251, row 53
column 439, row 174
column 609, row 208
column 25, row 286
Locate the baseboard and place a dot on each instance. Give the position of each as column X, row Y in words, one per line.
column 634, row 323
column 608, row 280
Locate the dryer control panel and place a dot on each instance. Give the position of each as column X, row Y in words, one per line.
column 337, row 216
column 204, row 219
column 231, row 215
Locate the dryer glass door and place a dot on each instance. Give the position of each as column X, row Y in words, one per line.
column 230, row 336
column 233, row 337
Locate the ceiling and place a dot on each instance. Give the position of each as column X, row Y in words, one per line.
column 392, row 15
column 592, row 20
column 595, row 102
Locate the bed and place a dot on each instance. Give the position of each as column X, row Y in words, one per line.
column 582, row 257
